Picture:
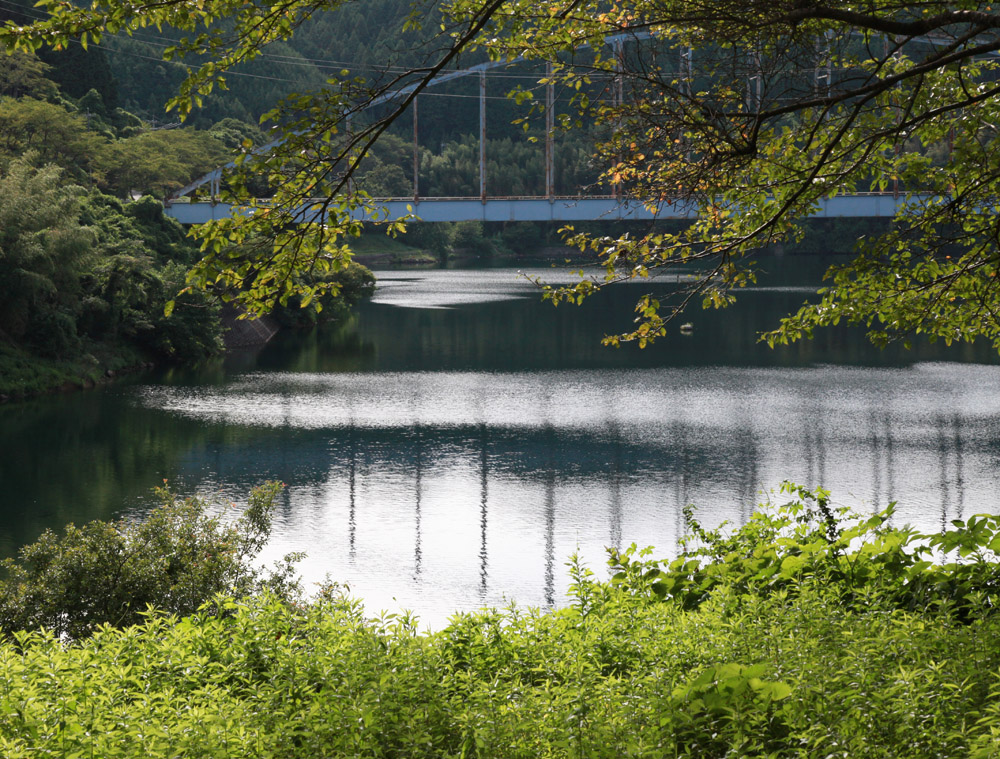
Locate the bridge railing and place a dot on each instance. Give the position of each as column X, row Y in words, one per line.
column 545, row 209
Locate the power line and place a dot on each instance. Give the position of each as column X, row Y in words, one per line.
column 150, row 39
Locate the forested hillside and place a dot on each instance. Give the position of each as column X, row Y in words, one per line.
column 365, row 40
column 84, row 275
column 88, row 260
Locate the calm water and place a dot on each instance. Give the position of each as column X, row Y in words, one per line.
column 459, row 440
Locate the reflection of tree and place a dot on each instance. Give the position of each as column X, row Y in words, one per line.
column 328, row 348
column 88, row 455
column 523, row 453
column 505, row 335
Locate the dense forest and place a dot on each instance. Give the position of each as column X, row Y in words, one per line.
column 88, row 260
column 85, row 268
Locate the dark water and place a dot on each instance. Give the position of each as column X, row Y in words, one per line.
column 456, row 442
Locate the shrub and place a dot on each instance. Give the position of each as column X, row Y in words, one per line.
column 766, row 660
column 175, row 559
column 350, row 285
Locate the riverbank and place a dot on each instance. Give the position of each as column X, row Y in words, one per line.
column 24, row 375
column 381, row 252
column 473, row 243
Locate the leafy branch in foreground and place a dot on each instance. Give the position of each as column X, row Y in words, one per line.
column 755, row 114
column 747, row 116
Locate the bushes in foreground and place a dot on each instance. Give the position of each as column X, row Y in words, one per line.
column 787, row 651
column 111, row 573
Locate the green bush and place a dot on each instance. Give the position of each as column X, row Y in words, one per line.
column 175, row 559
column 803, row 543
column 437, row 237
column 767, row 661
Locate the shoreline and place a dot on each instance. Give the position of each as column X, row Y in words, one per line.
column 34, row 376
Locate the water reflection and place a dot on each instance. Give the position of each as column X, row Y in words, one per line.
column 550, row 540
column 418, row 491
column 462, row 488
column 483, row 514
column 442, row 452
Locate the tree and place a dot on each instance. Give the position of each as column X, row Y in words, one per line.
column 751, row 112
column 22, row 75
column 754, row 112
column 157, row 162
column 53, row 133
column 42, row 246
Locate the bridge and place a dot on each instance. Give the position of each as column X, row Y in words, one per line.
column 554, row 208
column 189, row 208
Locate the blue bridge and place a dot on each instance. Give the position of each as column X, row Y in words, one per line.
column 185, row 206
column 558, row 209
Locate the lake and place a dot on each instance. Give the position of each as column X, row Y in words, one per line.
column 458, row 440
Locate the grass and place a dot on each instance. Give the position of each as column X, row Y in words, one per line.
column 375, row 248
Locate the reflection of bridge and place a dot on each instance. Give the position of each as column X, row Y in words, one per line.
column 554, row 208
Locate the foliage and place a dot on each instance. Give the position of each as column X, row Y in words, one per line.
column 81, row 270
column 752, row 114
column 41, row 249
column 153, row 163
column 806, row 541
column 140, row 265
column 232, row 133
column 54, row 133
column 24, row 373
column 757, row 667
column 175, row 559
column 313, row 149
column 22, row 74
column 345, row 290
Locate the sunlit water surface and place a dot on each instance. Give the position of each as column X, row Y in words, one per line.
column 459, row 441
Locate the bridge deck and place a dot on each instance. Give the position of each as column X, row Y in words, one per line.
column 561, row 209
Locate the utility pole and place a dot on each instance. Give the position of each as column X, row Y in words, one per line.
column 550, row 104
column 416, row 154
column 618, row 99
column 755, row 84
column 482, row 136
